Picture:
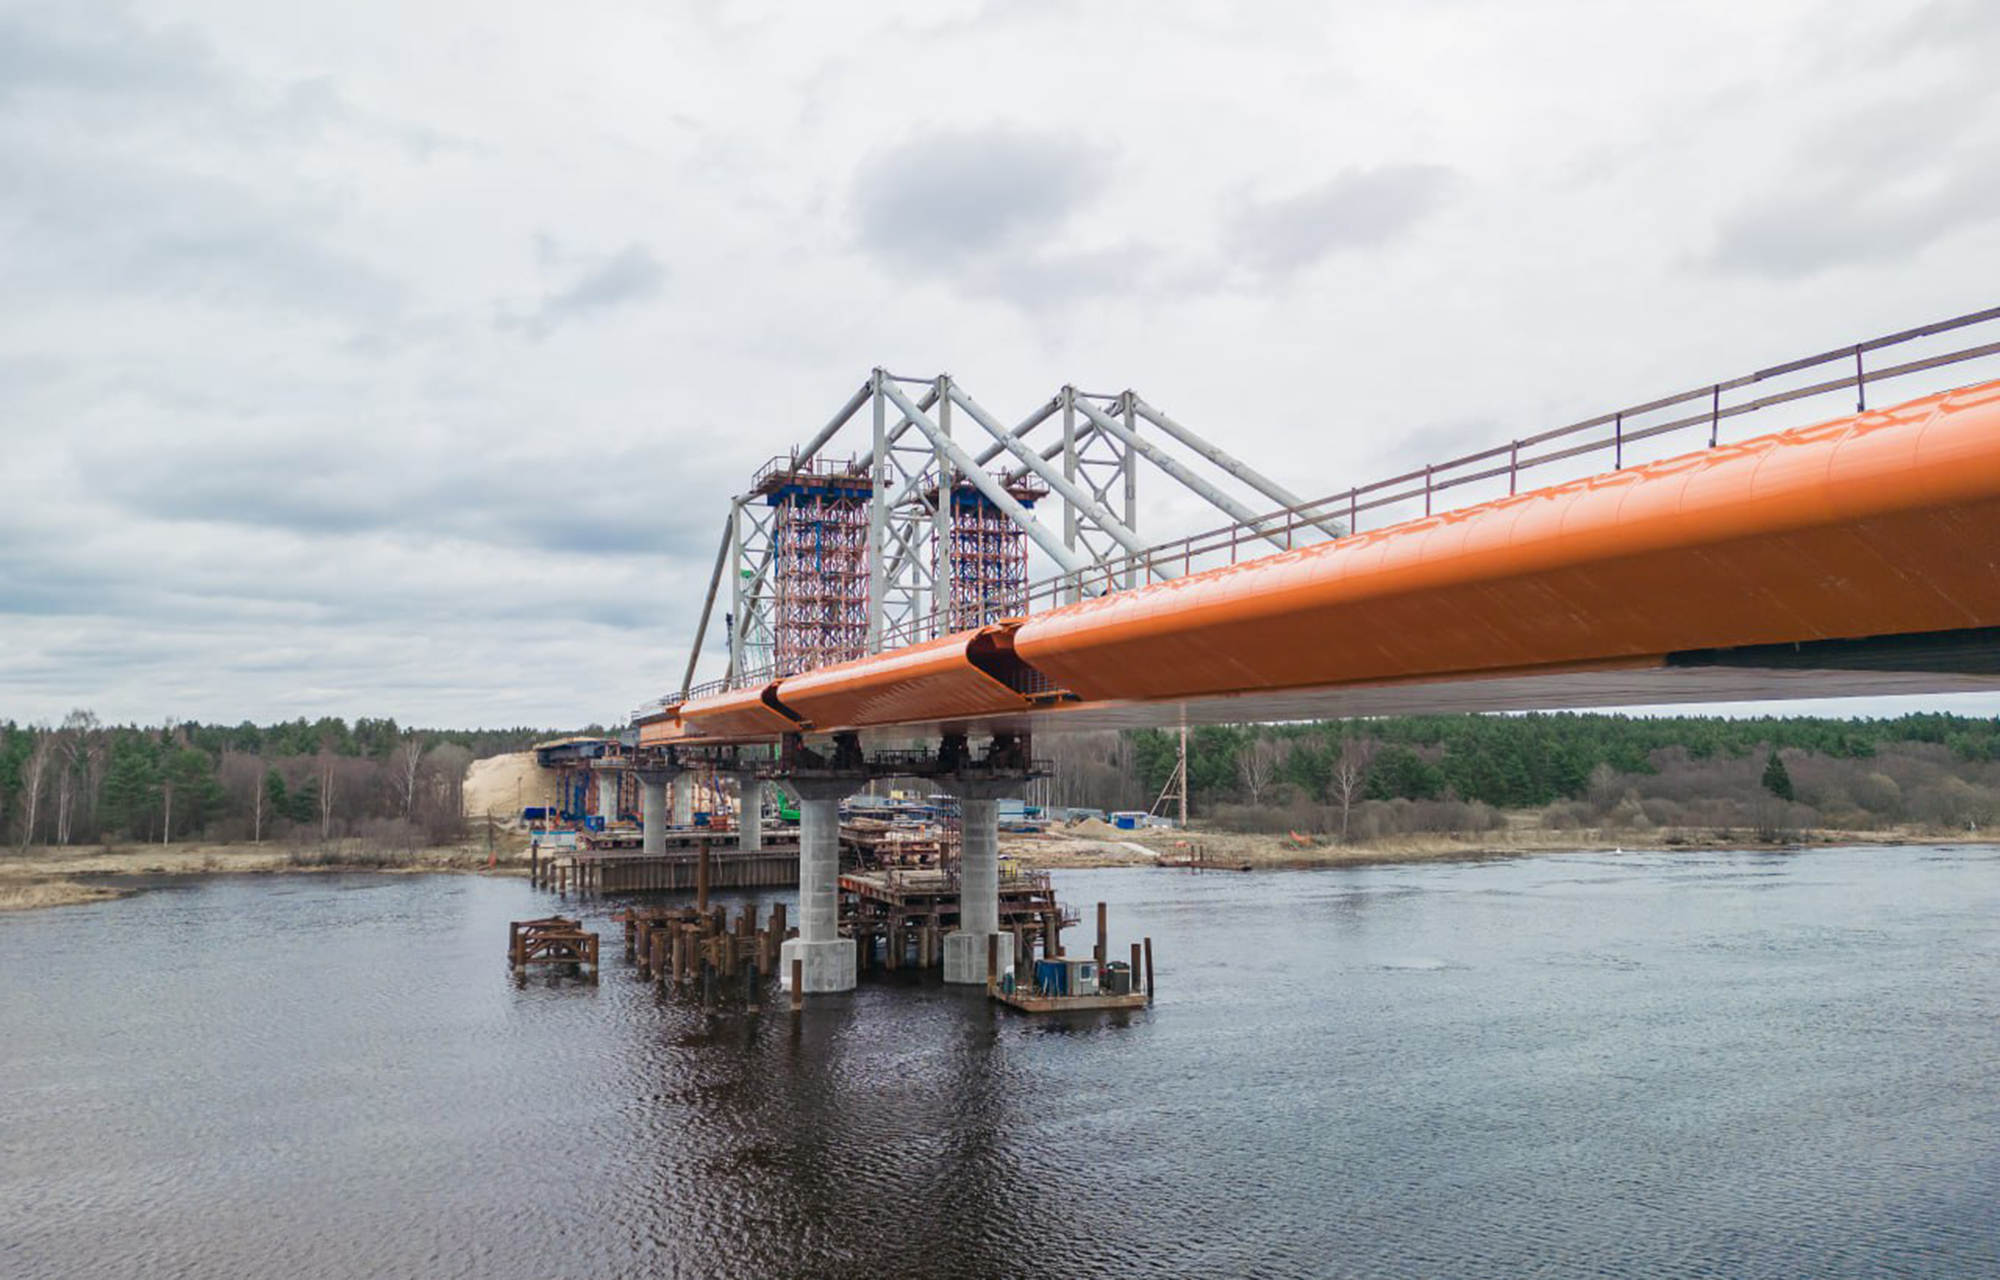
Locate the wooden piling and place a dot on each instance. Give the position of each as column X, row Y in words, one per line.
column 1149, row 970
column 701, row 875
column 798, row 984
column 1135, row 965
column 992, row 961
column 1103, row 935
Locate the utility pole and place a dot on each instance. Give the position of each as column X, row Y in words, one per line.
column 1183, row 776
column 1177, row 782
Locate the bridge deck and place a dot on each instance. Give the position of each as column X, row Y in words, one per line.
column 1631, row 587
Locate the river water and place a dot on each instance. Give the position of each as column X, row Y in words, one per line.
column 1713, row 1064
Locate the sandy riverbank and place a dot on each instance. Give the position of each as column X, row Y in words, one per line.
column 1076, row 847
column 52, row 877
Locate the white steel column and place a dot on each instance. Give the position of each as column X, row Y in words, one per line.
column 978, row 887
column 878, row 519
column 827, row 960
column 1131, row 470
column 942, row 595
column 653, row 814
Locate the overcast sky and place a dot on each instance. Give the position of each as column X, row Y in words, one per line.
column 396, row 357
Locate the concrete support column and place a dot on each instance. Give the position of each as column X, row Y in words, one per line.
column 978, row 887
column 653, row 813
column 749, row 811
column 607, row 795
column 684, row 798
column 828, row 959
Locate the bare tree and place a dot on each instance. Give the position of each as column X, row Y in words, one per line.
column 1257, row 763
column 442, row 799
column 34, row 773
column 324, row 770
column 79, row 748
column 408, row 763
column 242, row 777
column 1349, row 776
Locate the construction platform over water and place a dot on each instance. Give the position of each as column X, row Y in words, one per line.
column 899, row 918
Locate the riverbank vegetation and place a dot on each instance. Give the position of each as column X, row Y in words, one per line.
column 331, row 793
column 303, row 783
column 1769, row 778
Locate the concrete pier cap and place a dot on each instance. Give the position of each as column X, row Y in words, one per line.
column 965, row 948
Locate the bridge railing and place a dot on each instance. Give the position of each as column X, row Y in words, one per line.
column 1697, row 413
column 1621, row 435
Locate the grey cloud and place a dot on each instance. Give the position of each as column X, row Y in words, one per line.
column 1797, row 233
column 131, row 227
column 989, row 211
column 317, row 480
column 629, row 276
column 99, row 49
column 1359, row 209
column 1874, row 186
column 940, row 198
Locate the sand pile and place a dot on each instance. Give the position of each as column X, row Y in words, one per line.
column 502, row 785
column 1094, row 829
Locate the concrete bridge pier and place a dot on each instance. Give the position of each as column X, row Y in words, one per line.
column 607, row 794
column 684, row 798
column 749, row 811
column 653, row 813
column 828, row 959
column 978, row 884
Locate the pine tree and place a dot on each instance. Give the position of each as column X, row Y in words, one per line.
column 1777, row 779
column 277, row 803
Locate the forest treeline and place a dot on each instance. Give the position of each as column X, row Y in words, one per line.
column 84, row 781
column 1368, row 778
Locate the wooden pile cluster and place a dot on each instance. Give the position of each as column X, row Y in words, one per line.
column 551, row 940
column 679, row 945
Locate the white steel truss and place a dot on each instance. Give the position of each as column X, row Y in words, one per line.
column 929, row 530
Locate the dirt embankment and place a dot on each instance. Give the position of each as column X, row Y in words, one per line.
column 501, row 786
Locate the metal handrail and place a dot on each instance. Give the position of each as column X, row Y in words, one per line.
column 1303, row 524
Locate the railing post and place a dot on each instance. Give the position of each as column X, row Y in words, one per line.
column 1427, row 488
column 1618, row 441
column 1714, row 413
column 1860, row 383
column 1353, row 510
column 1513, row 468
